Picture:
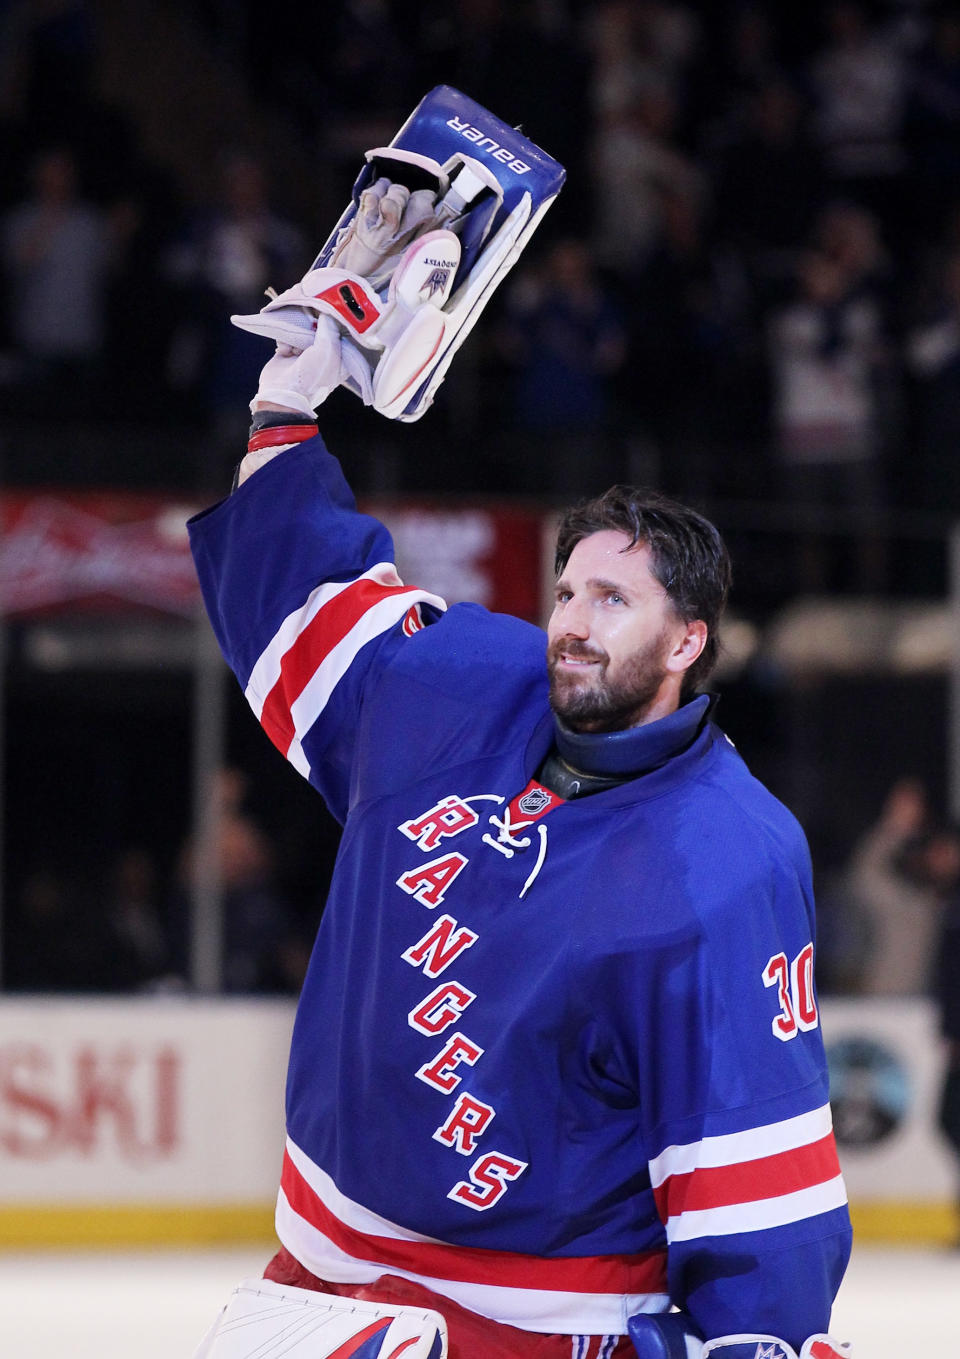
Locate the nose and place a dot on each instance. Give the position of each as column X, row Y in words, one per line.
column 571, row 618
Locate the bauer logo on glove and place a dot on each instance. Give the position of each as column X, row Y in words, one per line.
column 436, row 220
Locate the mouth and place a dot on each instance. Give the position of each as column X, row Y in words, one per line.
column 576, row 660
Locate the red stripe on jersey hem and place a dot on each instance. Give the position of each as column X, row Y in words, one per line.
column 614, row 1274
column 767, row 1177
column 275, row 435
column 328, row 628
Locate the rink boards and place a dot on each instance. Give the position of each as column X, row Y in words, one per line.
column 138, row 1122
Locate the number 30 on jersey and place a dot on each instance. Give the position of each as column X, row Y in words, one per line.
column 794, row 983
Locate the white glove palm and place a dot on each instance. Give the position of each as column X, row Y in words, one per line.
column 302, row 381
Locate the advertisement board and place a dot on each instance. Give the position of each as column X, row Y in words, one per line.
column 161, row 1120
column 140, row 1120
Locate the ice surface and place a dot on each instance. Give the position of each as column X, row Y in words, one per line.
column 157, row 1304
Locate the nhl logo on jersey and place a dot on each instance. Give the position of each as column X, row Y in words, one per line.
column 533, row 803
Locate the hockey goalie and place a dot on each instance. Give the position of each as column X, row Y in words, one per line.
column 556, row 1086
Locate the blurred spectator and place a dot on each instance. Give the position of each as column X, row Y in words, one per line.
column 564, row 338
column 670, row 32
column 58, row 941
column 769, row 187
column 262, row 951
column 901, row 874
column 145, row 217
column 933, row 356
column 230, row 253
column 621, row 68
column 843, row 934
column 690, row 344
column 56, row 255
column 850, row 236
column 742, row 61
column 933, row 123
column 48, row 57
column 858, row 81
column 637, row 45
column 139, row 950
column 637, row 161
column 947, row 996
column 825, row 351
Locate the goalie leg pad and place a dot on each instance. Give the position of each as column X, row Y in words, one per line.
column 264, row 1318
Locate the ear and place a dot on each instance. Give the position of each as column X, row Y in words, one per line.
column 688, row 646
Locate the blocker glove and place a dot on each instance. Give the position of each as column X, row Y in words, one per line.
column 671, row 1336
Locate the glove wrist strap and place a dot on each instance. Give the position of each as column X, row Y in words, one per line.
column 272, row 436
column 266, row 418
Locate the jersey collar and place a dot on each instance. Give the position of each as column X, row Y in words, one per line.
column 636, row 750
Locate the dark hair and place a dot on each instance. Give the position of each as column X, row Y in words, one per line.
column 687, row 556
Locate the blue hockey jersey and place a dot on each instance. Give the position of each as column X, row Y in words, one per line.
column 558, row 1061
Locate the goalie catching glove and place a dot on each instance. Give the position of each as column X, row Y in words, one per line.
column 428, row 236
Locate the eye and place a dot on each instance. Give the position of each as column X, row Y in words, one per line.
column 614, row 597
column 562, row 596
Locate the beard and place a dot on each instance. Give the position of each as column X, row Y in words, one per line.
column 599, row 701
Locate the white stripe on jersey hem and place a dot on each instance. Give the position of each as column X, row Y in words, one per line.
column 346, row 1210
column 759, row 1214
column 529, row 1309
column 735, row 1148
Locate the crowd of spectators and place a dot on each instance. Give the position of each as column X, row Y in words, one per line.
column 750, row 287
column 748, row 294
column 127, row 926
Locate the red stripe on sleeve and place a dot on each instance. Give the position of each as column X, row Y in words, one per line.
column 329, row 627
column 766, row 1177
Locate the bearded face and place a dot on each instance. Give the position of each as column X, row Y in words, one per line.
column 616, row 647
column 591, row 692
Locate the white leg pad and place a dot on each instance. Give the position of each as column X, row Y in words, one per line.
column 265, row 1320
